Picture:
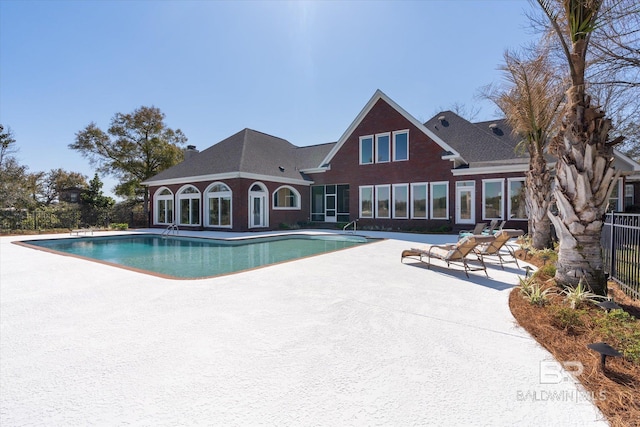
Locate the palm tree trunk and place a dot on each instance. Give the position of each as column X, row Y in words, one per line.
column 538, row 195
column 585, row 178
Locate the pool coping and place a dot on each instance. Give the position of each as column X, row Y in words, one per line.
column 25, row 243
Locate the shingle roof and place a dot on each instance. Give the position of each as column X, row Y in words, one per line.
column 483, row 143
column 252, row 152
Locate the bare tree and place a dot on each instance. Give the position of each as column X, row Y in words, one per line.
column 7, row 145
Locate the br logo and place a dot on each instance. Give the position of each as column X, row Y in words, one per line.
column 552, row 372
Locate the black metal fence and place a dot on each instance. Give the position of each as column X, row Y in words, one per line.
column 15, row 220
column 621, row 251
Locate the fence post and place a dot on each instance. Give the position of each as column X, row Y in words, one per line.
column 612, row 257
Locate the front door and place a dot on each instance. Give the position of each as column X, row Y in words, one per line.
column 258, row 206
column 465, row 206
column 330, row 211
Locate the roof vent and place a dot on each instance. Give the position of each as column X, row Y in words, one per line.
column 442, row 118
column 493, row 125
column 281, row 168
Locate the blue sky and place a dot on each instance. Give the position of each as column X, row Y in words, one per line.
column 297, row 70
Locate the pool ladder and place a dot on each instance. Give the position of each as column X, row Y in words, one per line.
column 352, row 223
column 173, row 228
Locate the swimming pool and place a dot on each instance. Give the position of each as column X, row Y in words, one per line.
column 193, row 257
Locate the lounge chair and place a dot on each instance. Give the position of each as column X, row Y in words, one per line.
column 455, row 253
column 492, row 227
column 479, row 228
column 494, row 248
column 79, row 231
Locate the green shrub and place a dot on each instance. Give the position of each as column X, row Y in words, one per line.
column 622, row 331
column 567, row 318
column 547, row 254
column 120, row 226
column 442, row 229
column 548, row 270
column 533, row 292
column 579, row 295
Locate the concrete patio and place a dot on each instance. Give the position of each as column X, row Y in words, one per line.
column 353, row 337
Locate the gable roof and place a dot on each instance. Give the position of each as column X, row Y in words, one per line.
column 379, row 95
column 248, row 154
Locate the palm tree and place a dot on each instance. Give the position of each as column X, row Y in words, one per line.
column 531, row 103
column 585, row 175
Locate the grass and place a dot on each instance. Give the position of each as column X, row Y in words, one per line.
column 565, row 332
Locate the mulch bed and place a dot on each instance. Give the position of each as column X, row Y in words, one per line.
column 616, row 391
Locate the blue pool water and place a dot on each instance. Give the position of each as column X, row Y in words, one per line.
column 190, row 257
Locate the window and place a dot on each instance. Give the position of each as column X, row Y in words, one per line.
column 317, row 203
column 440, row 200
column 419, row 200
column 492, row 198
column 286, row 198
column 517, row 205
column 366, row 150
column 400, row 145
column 615, row 197
column 342, row 201
column 400, row 201
column 218, row 198
column 164, row 206
column 383, row 193
column 628, row 195
column 189, row 204
column 366, row 202
column 383, row 149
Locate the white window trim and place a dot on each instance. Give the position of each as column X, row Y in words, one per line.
column 509, row 181
column 487, row 181
column 189, row 196
column 378, row 136
column 263, row 191
column 433, row 184
column 285, row 208
column 166, row 197
column 376, row 199
column 373, row 150
column 393, row 143
column 461, row 186
column 373, row 200
column 426, row 185
column 393, row 201
column 620, row 201
column 219, row 195
column 631, row 194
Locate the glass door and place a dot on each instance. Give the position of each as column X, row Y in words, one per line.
column 465, row 206
column 258, row 206
column 330, row 213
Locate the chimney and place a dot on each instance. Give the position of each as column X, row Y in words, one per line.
column 190, row 151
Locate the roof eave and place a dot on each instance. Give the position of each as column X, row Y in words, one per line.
column 227, row 175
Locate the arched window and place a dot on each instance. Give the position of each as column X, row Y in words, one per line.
column 164, row 206
column 286, row 197
column 189, row 205
column 218, row 200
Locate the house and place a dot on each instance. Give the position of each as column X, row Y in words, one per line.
column 388, row 170
column 71, row 194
